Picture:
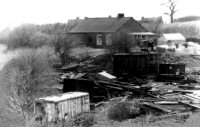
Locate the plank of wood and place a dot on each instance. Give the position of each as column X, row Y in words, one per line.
column 183, row 91
column 124, row 83
column 159, row 107
column 122, row 86
column 193, row 98
column 192, row 105
column 112, row 87
column 166, row 102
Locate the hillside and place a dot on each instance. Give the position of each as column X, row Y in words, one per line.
column 187, row 18
column 188, row 29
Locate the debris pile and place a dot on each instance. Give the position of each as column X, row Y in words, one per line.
column 179, row 95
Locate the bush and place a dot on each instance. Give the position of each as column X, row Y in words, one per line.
column 121, row 43
column 49, row 54
column 123, row 110
column 193, row 39
column 28, row 36
column 26, row 78
column 85, row 119
column 20, row 36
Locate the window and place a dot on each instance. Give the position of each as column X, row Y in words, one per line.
column 89, row 39
column 142, row 37
column 136, row 36
column 99, row 39
column 108, row 39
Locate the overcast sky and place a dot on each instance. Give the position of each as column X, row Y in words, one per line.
column 15, row 12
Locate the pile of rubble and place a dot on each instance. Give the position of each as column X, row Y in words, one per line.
column 168, row 96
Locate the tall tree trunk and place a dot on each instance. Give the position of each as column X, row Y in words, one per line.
column 171, row 18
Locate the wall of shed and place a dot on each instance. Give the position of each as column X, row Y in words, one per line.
column 67, row 108
column 72, row 107
column 135, row 64
column 175, row 69
column 50, row 109
column 79, row 85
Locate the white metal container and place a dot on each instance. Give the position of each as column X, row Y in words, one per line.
column 62, row 106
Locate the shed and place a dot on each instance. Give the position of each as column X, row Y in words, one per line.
column 172, row 39
column 171, row 68
column 136, row 63
column 58, row 107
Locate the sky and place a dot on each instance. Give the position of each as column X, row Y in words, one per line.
column 16, row 12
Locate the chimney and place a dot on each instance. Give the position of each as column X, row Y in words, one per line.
column 142, row 18
column 120, row 15
column 109, row 16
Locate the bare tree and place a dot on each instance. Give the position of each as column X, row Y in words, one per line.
column 171, row 5
column 62, row 44
column 120, row 43
column 27, row 77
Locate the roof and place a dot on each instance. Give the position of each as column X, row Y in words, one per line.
column 73, row 22
column 174, row 37
column 100, row 25
column 142, row 33
column 156, row 20
column 62, row 97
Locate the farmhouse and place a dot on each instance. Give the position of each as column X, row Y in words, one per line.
column 99, row 32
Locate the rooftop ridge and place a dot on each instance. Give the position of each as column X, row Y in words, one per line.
column 105, row 17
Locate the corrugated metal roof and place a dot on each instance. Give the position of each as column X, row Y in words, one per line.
column 62, row 97
column 174, row 37
column 100, row 25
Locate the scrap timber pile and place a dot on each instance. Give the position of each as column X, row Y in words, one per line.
column 166, row 97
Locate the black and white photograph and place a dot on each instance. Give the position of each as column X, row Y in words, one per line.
column 107, row 63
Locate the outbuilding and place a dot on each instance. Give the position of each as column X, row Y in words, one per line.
column 172, row 39
column 58, row 107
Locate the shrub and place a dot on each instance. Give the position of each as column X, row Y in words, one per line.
column 28, row 36
column 123, row 110
column 49, row 54
column 85, row 119
column 193, row 39
column 20, row 36
column 27, row 77
column 39, row 39
column 121, row 43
